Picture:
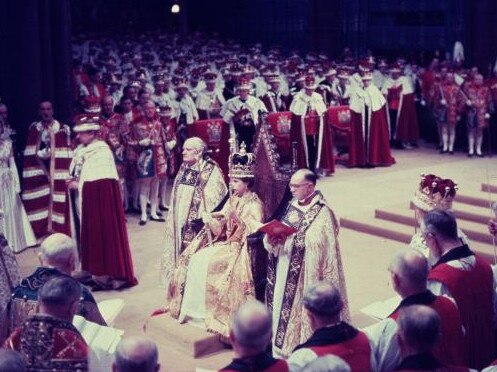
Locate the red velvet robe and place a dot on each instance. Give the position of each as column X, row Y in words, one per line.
column 357, row 148
column 450, row 347
column 473, row 293
column 407, row 120
column 343, row 341
column 104, row 237
column 105, row 250
column 378, row 153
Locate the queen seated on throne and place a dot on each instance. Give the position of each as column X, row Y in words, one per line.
column 213, row 276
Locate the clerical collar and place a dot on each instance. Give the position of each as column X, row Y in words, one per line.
column 423, row 361
column 423, row 298
column 257, row 362
column 307, row 200
column 462, row 251
column 330, row 335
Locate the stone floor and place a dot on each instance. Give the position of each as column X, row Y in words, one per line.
column 350, row 192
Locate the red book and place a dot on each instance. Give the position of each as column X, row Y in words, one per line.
column 277, row 228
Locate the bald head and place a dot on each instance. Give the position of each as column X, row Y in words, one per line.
column 251, row 326
column 305, row 174
column 59, row 251
column 410, row 269
column 418, row 329
column 136, row 354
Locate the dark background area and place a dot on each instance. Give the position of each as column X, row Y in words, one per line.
column 35, row 35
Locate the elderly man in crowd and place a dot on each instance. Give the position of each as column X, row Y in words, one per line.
column 136, row 354
column 47, row 340
column 332, row 336
column 250, row 337
column 198, row 188
column 58, row 257
column 418, row 333
column 409, row 273
column 466, row 278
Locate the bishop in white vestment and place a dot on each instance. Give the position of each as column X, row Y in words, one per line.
column 199, row 187
column 310, row 255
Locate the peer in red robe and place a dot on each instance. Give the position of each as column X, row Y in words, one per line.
column 369, row 128
column 46, row 162
column 308, row 130
column 468, row 279
column 104, row 245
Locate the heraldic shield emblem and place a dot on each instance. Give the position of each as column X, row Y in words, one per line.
column 214, row 131
column 339, row 117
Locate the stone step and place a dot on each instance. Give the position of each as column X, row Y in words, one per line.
column 480, row 201
column 471, row 212
column 192, row 340
column 476, row 231
column 485, row 187
column 383, row 228
column 402, row 233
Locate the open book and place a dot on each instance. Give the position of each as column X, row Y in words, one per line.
column 277, row 228
column 110, row 309
column 101, row 340
column 382, row 309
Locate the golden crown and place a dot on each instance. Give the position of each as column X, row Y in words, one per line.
column 434, row 193
column 242, row 163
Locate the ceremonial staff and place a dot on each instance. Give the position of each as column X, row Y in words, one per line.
column 207, row 224
column 493, row 213
column 233, row 150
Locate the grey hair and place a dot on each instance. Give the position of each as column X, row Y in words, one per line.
column 11, row 360
column 197, row 143
column 323, row 299
column 58, row 248
column 136, row 354
column 59, row 291
column 252, row 325
column 419, row 327
column 411, row 266
column 442, row 224
column 327, row 363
